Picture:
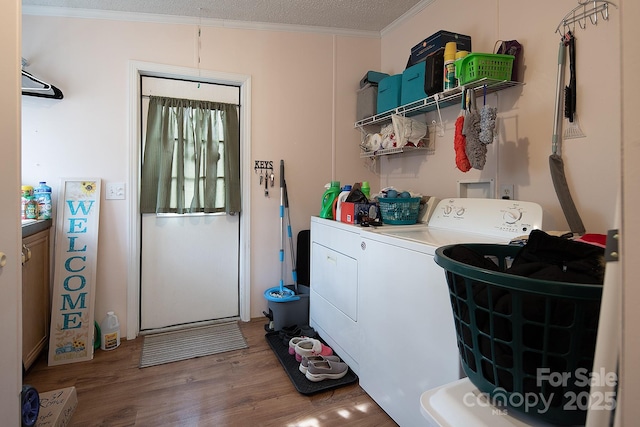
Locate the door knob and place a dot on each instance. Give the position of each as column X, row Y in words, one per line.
column 3, row 259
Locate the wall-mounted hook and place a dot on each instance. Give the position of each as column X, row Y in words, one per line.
column 586, row 9
column 266, row 173
column 439, row 128
column 582, row 21
column 594, row 17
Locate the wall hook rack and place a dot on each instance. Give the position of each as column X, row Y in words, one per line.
column 590, row 9
column 267, row 176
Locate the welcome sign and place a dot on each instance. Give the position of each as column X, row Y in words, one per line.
column 72, row 305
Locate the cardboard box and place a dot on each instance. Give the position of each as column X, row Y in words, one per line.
column 349, row 211
column 436, row 41
column 57, row 407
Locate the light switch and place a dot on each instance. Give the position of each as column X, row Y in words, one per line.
column 115, row 191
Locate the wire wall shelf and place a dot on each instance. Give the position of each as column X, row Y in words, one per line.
column 430, row 103
column 439, row 100
column 395, row 150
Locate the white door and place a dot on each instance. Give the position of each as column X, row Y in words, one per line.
column 189, row 263
column 10, row 237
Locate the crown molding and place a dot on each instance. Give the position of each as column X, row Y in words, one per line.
column 67, row 12
column 406, row 16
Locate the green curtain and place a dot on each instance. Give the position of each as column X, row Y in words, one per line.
column 181, row 153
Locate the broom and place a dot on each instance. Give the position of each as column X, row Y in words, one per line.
column 556, row 165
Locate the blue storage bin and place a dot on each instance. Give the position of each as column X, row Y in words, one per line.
column 413, row 84
column 389, row 93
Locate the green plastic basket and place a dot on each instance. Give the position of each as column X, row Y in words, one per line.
column 509, row 327
column 399, row 211
column 476, row 66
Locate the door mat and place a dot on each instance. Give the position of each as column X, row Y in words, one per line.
column 166, row 347
column 291, row 367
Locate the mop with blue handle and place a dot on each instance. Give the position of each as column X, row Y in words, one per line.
column 281, row 294
column 294, row 273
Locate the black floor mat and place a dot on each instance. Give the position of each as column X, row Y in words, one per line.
column 291, row 367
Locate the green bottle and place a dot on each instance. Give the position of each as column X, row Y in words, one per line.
column 330, row 194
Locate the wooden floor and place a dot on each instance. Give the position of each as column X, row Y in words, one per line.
column 239, row 388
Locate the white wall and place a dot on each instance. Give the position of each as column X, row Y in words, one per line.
column 520, row 157
column 303, row 108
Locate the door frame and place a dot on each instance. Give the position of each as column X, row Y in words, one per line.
column 136, row 70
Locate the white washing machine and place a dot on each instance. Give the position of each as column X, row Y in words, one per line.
column 421, row 312
column 461, row 404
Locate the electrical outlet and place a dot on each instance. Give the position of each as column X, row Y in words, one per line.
column 507, row 192
column 115, row 191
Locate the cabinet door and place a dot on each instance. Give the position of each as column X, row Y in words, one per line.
column 409, row 340
column 35, row 296
column 335, row 278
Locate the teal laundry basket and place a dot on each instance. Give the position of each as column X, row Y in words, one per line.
column 520, row 339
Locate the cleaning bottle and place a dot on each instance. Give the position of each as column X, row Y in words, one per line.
column 110, row 332
column 31, row 208
column 330, row 194
column 449, row 74
column 339, row 200
column 366, row 190
column 42, row 195
column 26, row 192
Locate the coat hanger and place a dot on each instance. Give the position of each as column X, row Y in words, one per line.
column 33, row 86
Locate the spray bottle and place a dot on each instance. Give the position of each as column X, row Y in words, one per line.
column 449, row 65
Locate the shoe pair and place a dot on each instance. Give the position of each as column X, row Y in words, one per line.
column 304, row 363
column 304, row 346
column 288, row 332
column 321, row 368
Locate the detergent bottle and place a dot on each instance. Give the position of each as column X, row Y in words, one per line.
column 330, row 194
column 110, row 332
column 42, row 195
column 339, row 200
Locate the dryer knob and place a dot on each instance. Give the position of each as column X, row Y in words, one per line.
column 511, row 216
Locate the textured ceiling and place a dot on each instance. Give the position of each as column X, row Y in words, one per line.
column 359, row 15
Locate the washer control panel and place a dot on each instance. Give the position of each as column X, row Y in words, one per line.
column 493, row 217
